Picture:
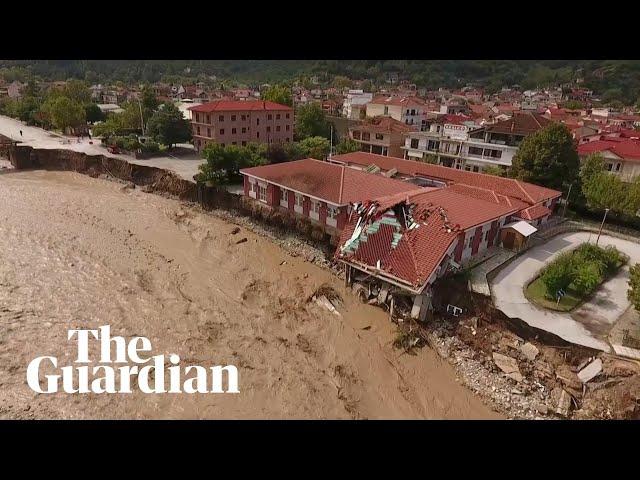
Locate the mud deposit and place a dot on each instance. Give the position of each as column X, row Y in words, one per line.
column 77, row 252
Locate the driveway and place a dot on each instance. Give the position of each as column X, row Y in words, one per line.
column 588, row 325
column 186, row 166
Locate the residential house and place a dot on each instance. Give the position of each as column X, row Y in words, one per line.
column 354, row 105
column 408, row 110
column 382, row 135
column 621, row 155
column 240, row 122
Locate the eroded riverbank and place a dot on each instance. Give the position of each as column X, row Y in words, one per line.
column 82, row 252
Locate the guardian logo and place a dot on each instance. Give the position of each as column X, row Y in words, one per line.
column 148, row 374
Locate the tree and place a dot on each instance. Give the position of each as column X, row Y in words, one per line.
column 311, row 122
column 168, row 126
column 77, row 91
column 347, row 145
column 149, row 101
column 548, row 157
column 494, row 170
column 64, row 113
column 223, row 163
column 93, row 113
column 573, row 105
column 315, row 147
column 559, row 274
column 633, row 294
column 279, row 94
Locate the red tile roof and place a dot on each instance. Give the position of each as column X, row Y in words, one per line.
column 534, row 213
column 402, row 101
column 329, row 182
column 625, row 148
column 440, row 214
column 520, row 124
column 237, row 105
column 509, row 187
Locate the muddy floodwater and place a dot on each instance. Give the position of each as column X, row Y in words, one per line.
column 77, row 252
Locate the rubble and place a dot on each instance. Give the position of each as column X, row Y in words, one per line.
column 508, row 365
column 530, row 351
column 564, row 404
column 590, row 371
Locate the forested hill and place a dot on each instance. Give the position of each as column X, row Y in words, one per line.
column 612, row 79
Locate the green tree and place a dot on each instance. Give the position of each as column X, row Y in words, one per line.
column 64, row 113
column 559, row 274
column 548, row 157
column 633, row 294
column 315, row 147
column 279, row 94
column 77, row 91
column 168, row 126
column 573, row 105
column 587, row 277
column 494, row 170
column 311, row 122
column 149, row 101
column 347, row 145
column 93, row 113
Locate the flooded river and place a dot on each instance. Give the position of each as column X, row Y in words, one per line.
column 77, row 252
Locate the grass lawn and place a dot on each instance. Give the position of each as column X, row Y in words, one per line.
column 536, row 293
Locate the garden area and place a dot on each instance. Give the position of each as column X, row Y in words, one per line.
column 577, row 274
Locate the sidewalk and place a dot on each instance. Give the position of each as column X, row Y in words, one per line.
column 186, row 167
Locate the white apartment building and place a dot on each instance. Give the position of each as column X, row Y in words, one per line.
column 355, row 102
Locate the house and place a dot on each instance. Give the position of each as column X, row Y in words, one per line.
column 621, row 155
column 317, row 190
column 382, row 135
column 354, row 105
column 408, row 110
column 239, row 122
column 535, row 203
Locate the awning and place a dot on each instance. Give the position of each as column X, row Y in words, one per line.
column 522, row 227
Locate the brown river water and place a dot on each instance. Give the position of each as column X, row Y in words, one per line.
column 77, row 252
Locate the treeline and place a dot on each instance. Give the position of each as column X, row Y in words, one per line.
column 613, row 80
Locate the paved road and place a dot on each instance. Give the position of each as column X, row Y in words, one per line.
column 590, row 324
column 185, row 166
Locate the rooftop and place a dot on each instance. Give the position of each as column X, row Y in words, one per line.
column 508, row 187
column 238, row 105
column 520, row 124
column 625, row 148
column 336, row 184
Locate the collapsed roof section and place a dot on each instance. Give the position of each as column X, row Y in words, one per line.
column 405, row 237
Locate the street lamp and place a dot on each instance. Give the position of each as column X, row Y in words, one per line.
column 606, row 210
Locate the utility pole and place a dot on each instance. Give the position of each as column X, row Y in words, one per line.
column 141, row 117
column 566, row 202
column 606, row 210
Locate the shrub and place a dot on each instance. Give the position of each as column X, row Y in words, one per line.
column 587, row 277
column 150, row 147
column 559, row 274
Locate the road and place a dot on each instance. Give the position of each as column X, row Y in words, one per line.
column 588, row 325
column 185, row 166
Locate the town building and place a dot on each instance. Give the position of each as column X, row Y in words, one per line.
column 354, row 104
column 382, row 135
column 408, row 110
column 454, row 142
column 319, row 191
column 241, row 122
column 621, row 154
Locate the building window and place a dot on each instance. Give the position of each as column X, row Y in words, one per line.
column 222, row 145
column 286, row 139
column 285, row 195
column 222, row 131
column 414, row 142
column 244, row 129
column 332, row 212
column 268, row 129
column 197, row 117
column 262, row 193
column 609, row 167
column 269, row 117
column 257, row 121
column 288, row 127
column 244, row 143
column 234, row 143
column 257, row 134
column 243, row 117
column 277, row 128
column 233, row 118
column 208, row 118
column 299, row 200
column 287, row 116
column 221, row 118
column 315, row 207
column 209, row 132
column 366, row 136
column 233, row 130
column 475, row 151
column 386, row 110
column 198, row 130
column 618, row 166
column 379, row 136
column 356, row 134
column 277, row 116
